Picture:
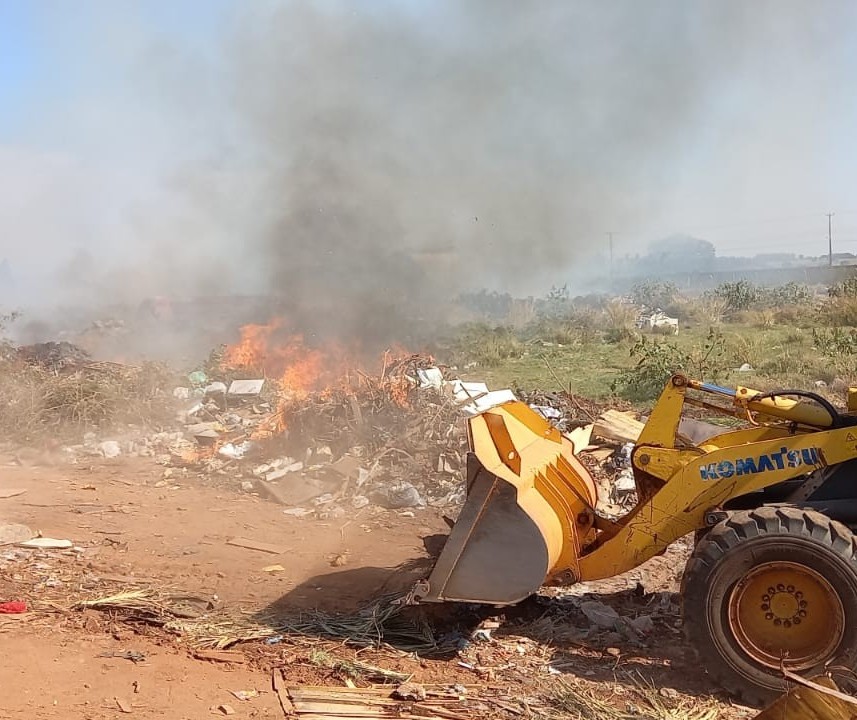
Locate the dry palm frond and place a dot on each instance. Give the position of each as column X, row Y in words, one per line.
column 381, row 622
column 149, row 606
column 580, row 702
column 374, row 625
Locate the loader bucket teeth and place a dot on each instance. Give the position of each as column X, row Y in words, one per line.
column 519, row 527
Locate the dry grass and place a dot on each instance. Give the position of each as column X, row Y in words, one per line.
column 577, row 701
column 619, row 315
column 43, row 403
column 382, row 622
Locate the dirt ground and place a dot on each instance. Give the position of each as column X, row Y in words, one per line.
column 132, row 528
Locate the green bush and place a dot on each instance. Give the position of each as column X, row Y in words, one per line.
column 839, row 347
column 791, row 293
column 844, row 289
column 658, row 360
column 740, row 295
column 654, row 293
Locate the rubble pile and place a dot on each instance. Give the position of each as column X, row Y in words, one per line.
column 395, row 440
column 54, row 356
column 370, row 440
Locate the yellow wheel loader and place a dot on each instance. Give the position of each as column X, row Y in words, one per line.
column 771, row 586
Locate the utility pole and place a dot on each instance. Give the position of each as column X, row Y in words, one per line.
column 830, row 239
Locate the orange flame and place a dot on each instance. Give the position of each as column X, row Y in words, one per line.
column 272, row 351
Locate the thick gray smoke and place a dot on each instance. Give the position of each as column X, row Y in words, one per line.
column 367, row 161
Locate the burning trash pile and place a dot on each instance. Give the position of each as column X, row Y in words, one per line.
column 302, row 427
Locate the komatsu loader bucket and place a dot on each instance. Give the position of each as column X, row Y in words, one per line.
column 530, row 505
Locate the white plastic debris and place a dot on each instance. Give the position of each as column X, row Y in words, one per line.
column 181, row 393
column 547, row 412
column 235, row 452
column 110, row 449
column 297, row 512
column 487, row 401
column 246, row 388
column 44, row 543
column 399, row 496
column 625, row 481
column 430, row 378
column 463, row 391
column 599, row 614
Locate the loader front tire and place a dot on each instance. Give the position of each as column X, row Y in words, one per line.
column 768, row 589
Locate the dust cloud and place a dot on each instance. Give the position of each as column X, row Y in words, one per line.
column 365, row 162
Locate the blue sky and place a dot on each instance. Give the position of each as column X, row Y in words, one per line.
column 111, row 109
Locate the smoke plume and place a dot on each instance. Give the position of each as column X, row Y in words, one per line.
column 364, row 162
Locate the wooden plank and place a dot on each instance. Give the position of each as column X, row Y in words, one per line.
column 820, row 699
column 256, row 545
column 580, row 437
column 282, row 693
column 225, row 656
column 340, row 690
column 354, row 710
column 341, row 697
column 617, row 426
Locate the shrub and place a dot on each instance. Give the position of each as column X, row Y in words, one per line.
column 844, row 289
column 791, row 293
column 654, row 294
column 839, row 346
column 619, row 315
column 838, row 311
column 740, row 295
column 657, row 360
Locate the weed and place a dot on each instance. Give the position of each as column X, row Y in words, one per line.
column 740, row 295
column 844, row 289
column 839, row 346
column 619, row 315
column 657, row 360
column 838, row 311
column 654, row 294
column 484, row 344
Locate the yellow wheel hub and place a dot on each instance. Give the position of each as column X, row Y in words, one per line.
column 786, row 614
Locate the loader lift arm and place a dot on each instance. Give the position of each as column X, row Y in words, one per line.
column 772, row 582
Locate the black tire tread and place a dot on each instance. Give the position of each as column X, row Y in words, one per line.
column 738, row 528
